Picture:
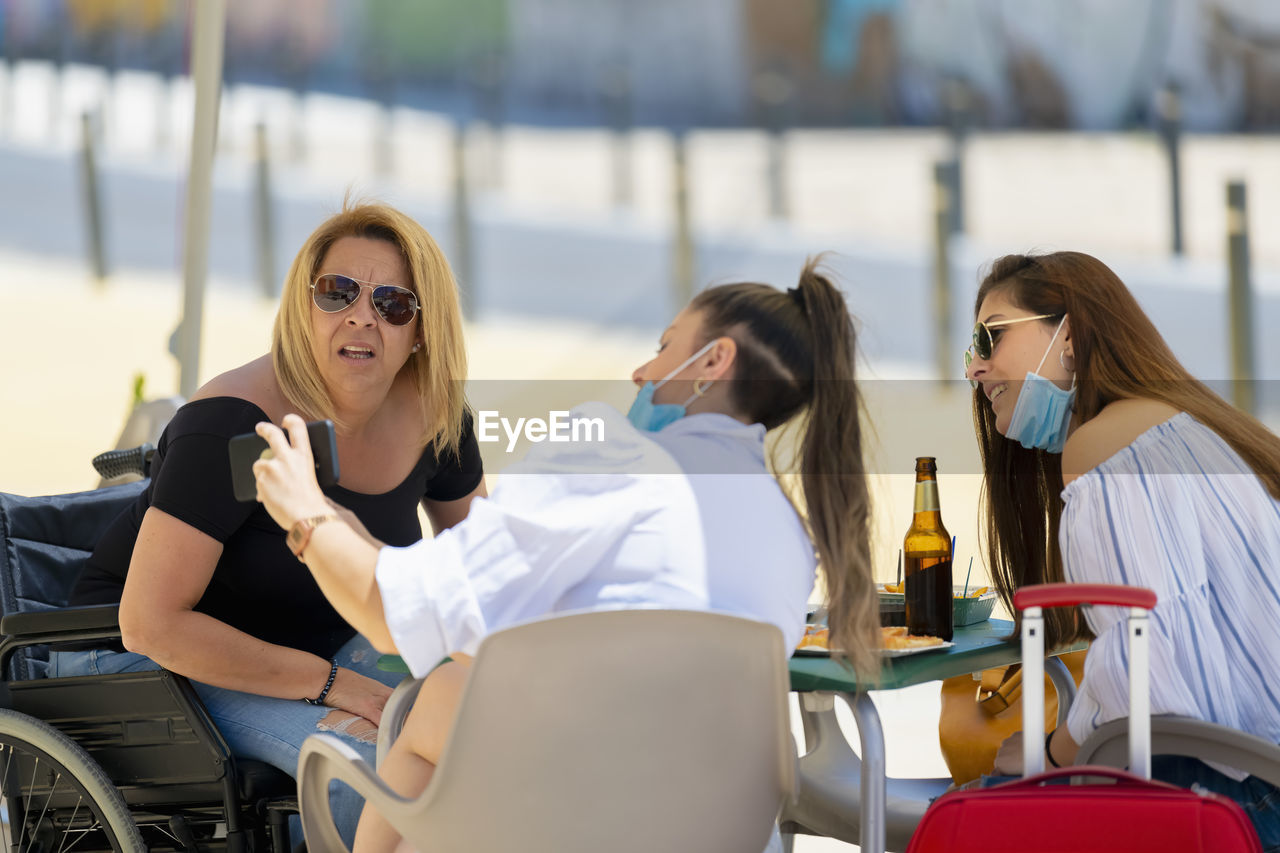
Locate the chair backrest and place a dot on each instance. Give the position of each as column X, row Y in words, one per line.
column 44, row 542
column 144, row 425
column 1172, row 735
column 623, row 730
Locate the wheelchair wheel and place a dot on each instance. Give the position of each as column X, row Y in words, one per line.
column 53, row 796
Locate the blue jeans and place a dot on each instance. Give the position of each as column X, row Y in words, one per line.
column 1260, row 800
column 259, row 727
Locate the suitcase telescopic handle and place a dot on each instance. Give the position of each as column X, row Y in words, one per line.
column 1031, row 600
column 1071, row 594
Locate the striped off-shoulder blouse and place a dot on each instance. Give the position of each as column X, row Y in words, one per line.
column 1180, row 512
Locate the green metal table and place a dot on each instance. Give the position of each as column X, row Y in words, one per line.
column 843, row 796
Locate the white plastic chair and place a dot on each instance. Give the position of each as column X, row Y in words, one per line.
column 1171, row 735
column 628, row 730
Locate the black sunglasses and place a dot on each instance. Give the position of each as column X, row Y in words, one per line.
column 333, row 293
column 983, row 343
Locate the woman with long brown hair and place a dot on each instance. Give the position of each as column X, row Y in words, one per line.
column 588, row 526
column 1106, row 461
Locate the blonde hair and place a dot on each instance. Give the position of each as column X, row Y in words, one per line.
column 438, row 369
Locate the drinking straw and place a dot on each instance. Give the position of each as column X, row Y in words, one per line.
column 965, row 594
column 899, row 580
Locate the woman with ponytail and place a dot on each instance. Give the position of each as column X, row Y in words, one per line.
column 586, row 524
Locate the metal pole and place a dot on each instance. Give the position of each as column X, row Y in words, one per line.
column 206, row 69
column 462, row 261
column 777, row 173
column 263, row 217
column 1240, row 298
column 383, row 151
column 162, row 113
column 959, row 109
column 168, row 70
column 617, row 93
column 943, row 181
column 92, row 198
column 10, row 68
column 622, row 183
column 682, row 260
column 487, row 74
column 772, row 90
column 1170, row 113
column 297, row 125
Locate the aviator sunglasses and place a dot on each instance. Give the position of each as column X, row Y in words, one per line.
column 333, row 293
column 984, row 343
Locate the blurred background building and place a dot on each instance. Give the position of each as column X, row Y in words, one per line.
column 1086, row 64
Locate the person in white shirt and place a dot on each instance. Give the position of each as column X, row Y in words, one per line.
column 674, row 508
column 1107, row 462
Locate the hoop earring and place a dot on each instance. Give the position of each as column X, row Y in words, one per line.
column 699, row 388
column 1062, row 356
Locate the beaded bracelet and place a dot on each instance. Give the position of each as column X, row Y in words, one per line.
column 333, row 673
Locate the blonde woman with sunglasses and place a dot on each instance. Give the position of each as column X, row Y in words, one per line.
column 368, row 335
column 1106, row 461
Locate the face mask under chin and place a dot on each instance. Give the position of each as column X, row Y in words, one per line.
column 649, row 416
column 1042, row 415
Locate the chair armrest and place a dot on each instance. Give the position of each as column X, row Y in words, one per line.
column 1173, row 735
column 63, row 620
column 324, row 758
column 394, row 713
column 57, row 627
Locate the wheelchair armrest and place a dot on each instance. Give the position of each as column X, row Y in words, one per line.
column 64, row 620
column 55, row 627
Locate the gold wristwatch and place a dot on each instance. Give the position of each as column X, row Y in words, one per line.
column 300, row 533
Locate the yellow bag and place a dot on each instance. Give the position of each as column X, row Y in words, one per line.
column 977, row 717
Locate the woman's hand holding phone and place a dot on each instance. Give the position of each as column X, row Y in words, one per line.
column 286, row 480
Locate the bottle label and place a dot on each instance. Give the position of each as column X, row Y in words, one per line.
column 927, row 496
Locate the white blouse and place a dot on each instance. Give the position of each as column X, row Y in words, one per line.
column 686, row 518
column 1180, row 512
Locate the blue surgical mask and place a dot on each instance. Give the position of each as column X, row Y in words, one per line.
column 645, row 414
column 1043, row 411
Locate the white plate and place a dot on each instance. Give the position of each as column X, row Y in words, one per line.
column 885, row 653
column 901, row 653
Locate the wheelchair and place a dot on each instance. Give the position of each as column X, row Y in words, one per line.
column 122, row 762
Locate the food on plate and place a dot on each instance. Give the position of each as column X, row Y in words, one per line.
column 815, row 637
column 897, row 638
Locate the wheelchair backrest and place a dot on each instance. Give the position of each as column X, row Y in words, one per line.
column 44, row 542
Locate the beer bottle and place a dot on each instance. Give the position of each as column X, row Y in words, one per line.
column 926, row 555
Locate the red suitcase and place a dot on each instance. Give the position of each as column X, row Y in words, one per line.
column 1133, row 814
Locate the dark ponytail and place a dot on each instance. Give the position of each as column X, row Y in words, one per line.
column 796, row 353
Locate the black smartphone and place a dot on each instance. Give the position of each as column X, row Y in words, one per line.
column 244, row 450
